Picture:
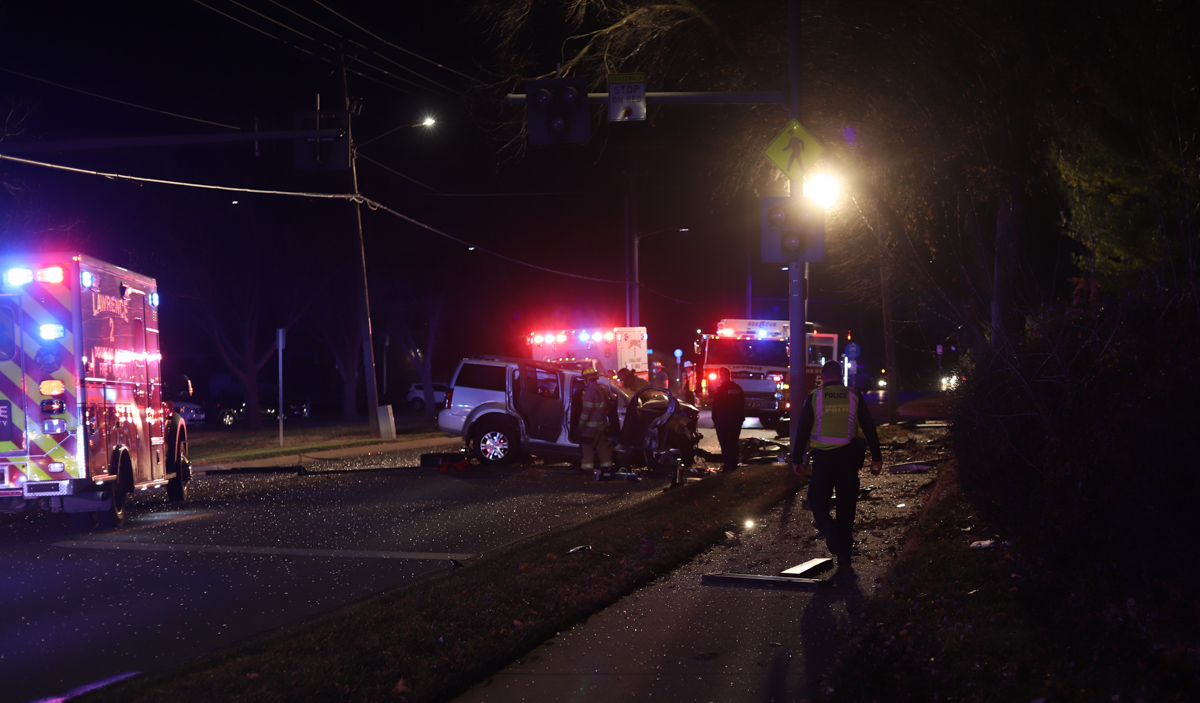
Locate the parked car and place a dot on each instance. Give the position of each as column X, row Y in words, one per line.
column 503, row 406
column 192, row 413
column 230, row 414
column 416, row 395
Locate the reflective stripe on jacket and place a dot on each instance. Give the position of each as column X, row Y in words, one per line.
column 594, row 414
column 835, row 416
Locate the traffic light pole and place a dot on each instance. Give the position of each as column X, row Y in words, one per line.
column 797, row 275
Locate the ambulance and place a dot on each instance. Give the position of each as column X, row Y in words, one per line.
column 756, row 352
column 605, row 348
column 82, row 420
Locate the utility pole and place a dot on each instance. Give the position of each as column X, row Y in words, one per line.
column 368, row 346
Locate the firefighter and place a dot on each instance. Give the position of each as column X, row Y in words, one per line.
column 830, row 420
column 728, row 413
column 630, row 381
column 594, row 427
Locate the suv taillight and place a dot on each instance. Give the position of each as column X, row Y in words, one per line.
column 449, row 396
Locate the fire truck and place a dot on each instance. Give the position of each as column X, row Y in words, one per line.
column 608, row 349
column 756, row 354
column 82, row 422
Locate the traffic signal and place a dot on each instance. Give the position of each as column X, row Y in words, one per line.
column 793, row 230
column 556, row 111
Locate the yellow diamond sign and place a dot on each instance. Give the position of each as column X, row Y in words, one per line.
column 794, row 151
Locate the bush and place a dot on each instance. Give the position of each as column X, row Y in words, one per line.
column 1078, row 445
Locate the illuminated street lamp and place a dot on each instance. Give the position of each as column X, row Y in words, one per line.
column 632, row 317
column 823, row 188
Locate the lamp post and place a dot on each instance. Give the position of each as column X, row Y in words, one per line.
column 632, row 303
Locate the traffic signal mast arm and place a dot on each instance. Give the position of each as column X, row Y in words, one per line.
column 684, row 98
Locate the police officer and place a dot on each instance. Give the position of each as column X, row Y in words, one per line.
column 594, row 427
column 728, row 413
column 829, row 421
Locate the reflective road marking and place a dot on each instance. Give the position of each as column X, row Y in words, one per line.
column 266, row 551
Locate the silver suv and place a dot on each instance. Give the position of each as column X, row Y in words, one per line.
column 504, row 406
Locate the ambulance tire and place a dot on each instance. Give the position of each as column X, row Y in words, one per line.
column 495, row 442
column 118, row 493
column 177, row 460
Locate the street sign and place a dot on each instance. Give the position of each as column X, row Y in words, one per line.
column 626, row 97
column 794, row 151
column 852, row 350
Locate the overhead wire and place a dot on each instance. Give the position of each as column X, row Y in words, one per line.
column 119, row 102
column 352, row 197
column 393, row 45
column 343, row 38
column 326, row 59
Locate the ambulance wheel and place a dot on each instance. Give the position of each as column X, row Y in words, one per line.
column 82, row 521
column 177, row 460
column 118, row 493
column 494, row 442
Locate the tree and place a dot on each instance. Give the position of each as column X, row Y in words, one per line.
column 413, row 317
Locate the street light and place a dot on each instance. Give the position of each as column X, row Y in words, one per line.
column 427, row 122
column 632, row 304
column 823, row 188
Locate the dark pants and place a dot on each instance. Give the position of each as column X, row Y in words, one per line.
column 836, row 469
column 729, row 433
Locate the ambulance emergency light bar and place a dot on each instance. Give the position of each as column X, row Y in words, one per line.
column 20, row 276
column 561, row 337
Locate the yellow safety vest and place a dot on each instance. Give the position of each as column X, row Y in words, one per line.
column 835, row 417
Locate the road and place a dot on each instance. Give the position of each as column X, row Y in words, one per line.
column 253, row 552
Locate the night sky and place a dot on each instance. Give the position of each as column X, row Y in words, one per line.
column 560, row 208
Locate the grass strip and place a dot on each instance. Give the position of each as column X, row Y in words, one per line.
column 433, row 639
column 953, row 623
column 201, row 458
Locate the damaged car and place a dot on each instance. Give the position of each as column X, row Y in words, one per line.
column 505, row 407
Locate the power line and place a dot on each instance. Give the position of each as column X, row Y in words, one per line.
column 396, row 46
column 374, row 205
column 344, row 39
column 119, row 102
column 281, row 40
column 389, row 169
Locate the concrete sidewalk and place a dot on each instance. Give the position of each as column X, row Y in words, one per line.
column 684, row 639
column 448, row 444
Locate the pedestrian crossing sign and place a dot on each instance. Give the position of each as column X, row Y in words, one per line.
column 794, row 151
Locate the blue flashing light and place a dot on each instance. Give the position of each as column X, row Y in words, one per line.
column 19, row 276
column 154, row 299
column 52, row 331
column 584, row 337
column 86, row 279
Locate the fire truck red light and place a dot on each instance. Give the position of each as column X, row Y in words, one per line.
column 51, row 274
column 539, row 339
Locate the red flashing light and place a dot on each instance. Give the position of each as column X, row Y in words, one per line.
column 50, row 274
